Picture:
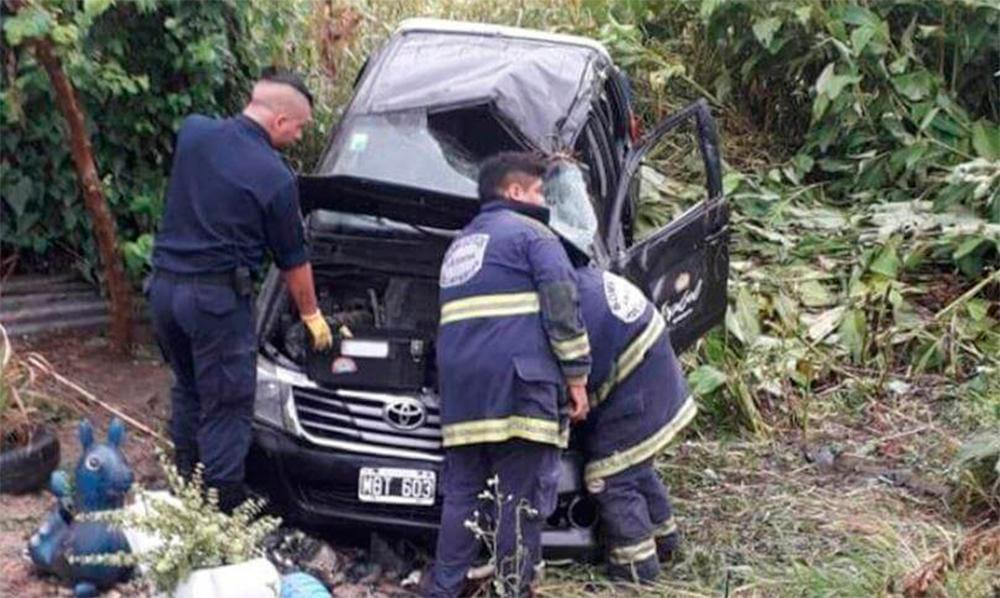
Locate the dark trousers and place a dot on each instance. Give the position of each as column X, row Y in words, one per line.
column 527, row 471
column 206, row 332
column 635, row 510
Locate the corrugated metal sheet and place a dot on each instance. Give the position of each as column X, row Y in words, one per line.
column 30, row 304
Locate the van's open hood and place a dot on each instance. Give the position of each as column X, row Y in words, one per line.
column 404, row 204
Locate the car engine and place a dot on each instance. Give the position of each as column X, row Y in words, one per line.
column 365, row 302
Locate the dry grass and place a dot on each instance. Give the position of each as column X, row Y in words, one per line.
column 871, row 518
column 32, row 393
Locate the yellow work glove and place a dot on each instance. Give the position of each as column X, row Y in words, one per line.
column 322, row 337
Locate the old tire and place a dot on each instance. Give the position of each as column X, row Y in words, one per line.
column 27, row 468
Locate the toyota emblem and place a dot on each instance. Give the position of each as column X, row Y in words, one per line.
column 404, row 414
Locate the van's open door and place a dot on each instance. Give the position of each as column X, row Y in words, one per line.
column 684, row 266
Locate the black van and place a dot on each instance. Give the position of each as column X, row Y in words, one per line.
column 353, row 436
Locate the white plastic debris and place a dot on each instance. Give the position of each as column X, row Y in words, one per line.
column 257, row 578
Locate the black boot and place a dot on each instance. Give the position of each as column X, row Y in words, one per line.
column 231, row 496
column 185, row 462
column 668, row 546
column 644, row 571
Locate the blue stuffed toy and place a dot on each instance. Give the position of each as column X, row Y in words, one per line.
column 102, row 479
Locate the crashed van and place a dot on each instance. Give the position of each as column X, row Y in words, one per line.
column 352, row 436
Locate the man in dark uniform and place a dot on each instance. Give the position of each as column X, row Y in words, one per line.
column 639, row 401
column 638, row 395
column 511, row 340
column 230, row 198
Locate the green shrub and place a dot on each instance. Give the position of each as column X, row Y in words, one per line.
column 194, row 534
column 138, row 68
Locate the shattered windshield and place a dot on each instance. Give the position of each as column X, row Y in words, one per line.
column 439, row 152
column 571, row 212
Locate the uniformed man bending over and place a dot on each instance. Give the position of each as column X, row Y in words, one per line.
column 639, row 402
column 638, row 396
column 510, row 341
column 230, row 198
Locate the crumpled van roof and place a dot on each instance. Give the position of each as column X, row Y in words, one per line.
column 540, row 83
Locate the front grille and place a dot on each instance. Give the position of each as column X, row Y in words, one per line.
column 356, row 421
column 347, row 502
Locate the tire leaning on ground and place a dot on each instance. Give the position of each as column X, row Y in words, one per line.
column 27, row 468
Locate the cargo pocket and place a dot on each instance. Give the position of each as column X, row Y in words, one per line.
column 538, row 383
column 214, row 299
column 232, row 378
column 624, row 407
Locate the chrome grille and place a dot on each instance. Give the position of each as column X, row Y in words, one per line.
column 354, row 420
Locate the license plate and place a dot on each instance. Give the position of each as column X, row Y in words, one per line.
column 397, row 486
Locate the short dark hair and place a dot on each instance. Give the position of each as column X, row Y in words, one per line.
column 496, row 172
column 287, row 77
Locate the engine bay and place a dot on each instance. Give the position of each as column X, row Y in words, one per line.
column 371, row 305
column 364, row 301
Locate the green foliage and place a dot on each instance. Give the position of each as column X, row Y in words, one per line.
column 861, row 144
column 977, row 473
column 706, row 379
column 139, row 68
column 192, row 532
column 886, row 98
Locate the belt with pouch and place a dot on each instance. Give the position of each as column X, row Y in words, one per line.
column 239, row 279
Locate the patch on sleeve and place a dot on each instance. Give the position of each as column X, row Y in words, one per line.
column 463, row 260
column 624, row 300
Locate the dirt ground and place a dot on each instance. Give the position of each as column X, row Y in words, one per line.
column 138, row 385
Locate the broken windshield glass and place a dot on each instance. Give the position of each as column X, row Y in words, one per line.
column 438, row 152
column 400, row 149
column 571, row 211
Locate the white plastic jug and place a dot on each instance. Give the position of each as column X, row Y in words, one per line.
column 253, row 579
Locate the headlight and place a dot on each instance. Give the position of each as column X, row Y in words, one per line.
column 271, row 397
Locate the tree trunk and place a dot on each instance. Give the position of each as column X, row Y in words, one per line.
column 105, row 231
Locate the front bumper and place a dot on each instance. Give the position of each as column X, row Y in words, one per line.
column 318, row 487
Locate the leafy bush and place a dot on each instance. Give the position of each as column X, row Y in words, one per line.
column 192, row 532
column 880, row 100
column 883, row 95
column 139, row 69
column 863, row 172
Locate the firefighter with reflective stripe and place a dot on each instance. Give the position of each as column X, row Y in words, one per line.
column 639, row 401
column 638, row 396
column 511, row 342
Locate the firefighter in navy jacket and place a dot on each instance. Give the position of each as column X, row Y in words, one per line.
column 638, row 396
column 511, row 342
column 639, row 402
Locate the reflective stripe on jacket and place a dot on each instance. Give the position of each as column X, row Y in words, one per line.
column 510, row 330
column 639, row 397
